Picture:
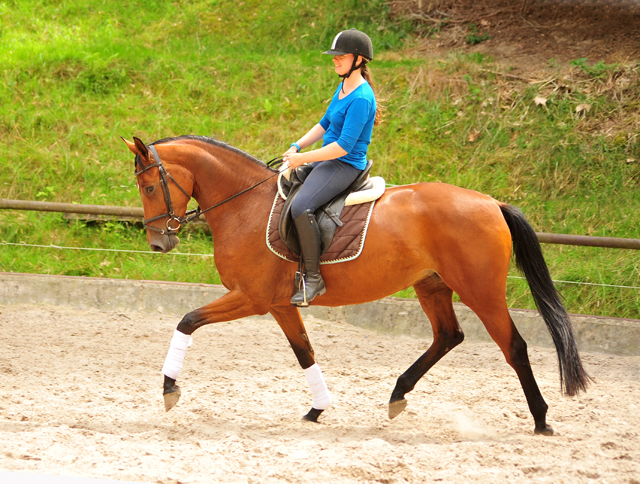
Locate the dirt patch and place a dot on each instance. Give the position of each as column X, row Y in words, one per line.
column 529, row 36
column 82, row 396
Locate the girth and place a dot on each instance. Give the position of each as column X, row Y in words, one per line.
column 328, row 216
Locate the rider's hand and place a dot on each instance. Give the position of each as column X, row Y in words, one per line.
column 293, row 149
column 294, row 160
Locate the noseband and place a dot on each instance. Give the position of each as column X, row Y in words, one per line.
column 174, row 222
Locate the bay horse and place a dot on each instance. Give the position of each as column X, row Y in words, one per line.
column 434, row 237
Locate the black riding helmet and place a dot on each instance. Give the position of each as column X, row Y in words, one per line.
column 352, row 41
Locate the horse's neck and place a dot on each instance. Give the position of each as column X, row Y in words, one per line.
column 220, row 173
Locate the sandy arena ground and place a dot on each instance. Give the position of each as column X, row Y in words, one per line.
column 81, row 396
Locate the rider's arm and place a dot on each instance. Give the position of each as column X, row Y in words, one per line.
column 360, row 113
column 313, row 135
column 328, row 152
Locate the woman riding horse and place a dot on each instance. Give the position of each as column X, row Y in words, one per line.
column 345, row 130
column 437, row 238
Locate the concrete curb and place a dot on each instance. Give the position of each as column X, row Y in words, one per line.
column 390, row 315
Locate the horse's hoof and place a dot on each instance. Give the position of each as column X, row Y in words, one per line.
column 397, row 407
column 170, row 399
column 313, row 415
column 544, row 431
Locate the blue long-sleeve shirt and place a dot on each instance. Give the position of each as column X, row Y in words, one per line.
column 349, row 122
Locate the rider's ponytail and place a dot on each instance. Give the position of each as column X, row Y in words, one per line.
column 366, row 73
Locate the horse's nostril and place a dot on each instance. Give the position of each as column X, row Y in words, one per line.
column 156, row 248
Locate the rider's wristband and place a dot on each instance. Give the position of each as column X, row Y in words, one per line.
column 297, row 146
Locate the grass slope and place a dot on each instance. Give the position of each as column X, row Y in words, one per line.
column 77, row 75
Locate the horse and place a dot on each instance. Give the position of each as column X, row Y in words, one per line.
column 434, row 237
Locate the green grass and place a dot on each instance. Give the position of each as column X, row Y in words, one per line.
column 119, row 250
column 77, row 75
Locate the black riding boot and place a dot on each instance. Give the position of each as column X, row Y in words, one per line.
column 310, row 248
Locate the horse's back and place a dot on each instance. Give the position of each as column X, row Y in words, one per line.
column 439, row 209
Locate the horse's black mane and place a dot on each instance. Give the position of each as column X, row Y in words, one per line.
column 215, row 142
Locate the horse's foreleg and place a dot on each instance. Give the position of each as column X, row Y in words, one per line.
column 288, row 317
column 233, row 305
column 172, row 366
column 436, row 301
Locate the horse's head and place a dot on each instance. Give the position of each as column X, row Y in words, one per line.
column 164, row 195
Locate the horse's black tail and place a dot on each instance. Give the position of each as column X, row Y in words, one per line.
column 530, row 261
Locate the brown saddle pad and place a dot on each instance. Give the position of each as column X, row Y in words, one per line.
column 347, row 242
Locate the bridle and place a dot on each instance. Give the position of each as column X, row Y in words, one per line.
column 174, row 222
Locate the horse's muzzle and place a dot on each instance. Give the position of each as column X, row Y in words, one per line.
column 163, row 242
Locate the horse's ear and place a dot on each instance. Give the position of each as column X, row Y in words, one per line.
column 137, row 147
column 142, row 148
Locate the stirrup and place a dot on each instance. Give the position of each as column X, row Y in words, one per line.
column 303, row 289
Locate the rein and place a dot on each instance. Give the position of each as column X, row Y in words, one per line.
column 174, row 221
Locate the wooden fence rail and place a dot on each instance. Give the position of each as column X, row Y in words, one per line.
column 137, row 212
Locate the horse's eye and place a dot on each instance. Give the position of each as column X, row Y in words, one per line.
column 149, row 190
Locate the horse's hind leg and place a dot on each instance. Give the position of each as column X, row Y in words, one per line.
column 501, row 328
column 288, row 317
column 479, row 279
column 436, row 300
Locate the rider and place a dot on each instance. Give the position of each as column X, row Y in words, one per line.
column 345, row 130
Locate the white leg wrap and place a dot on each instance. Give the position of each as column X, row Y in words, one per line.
column 321, row 394
column 177, row 349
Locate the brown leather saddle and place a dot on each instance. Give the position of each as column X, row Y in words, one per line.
column 327, row 216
